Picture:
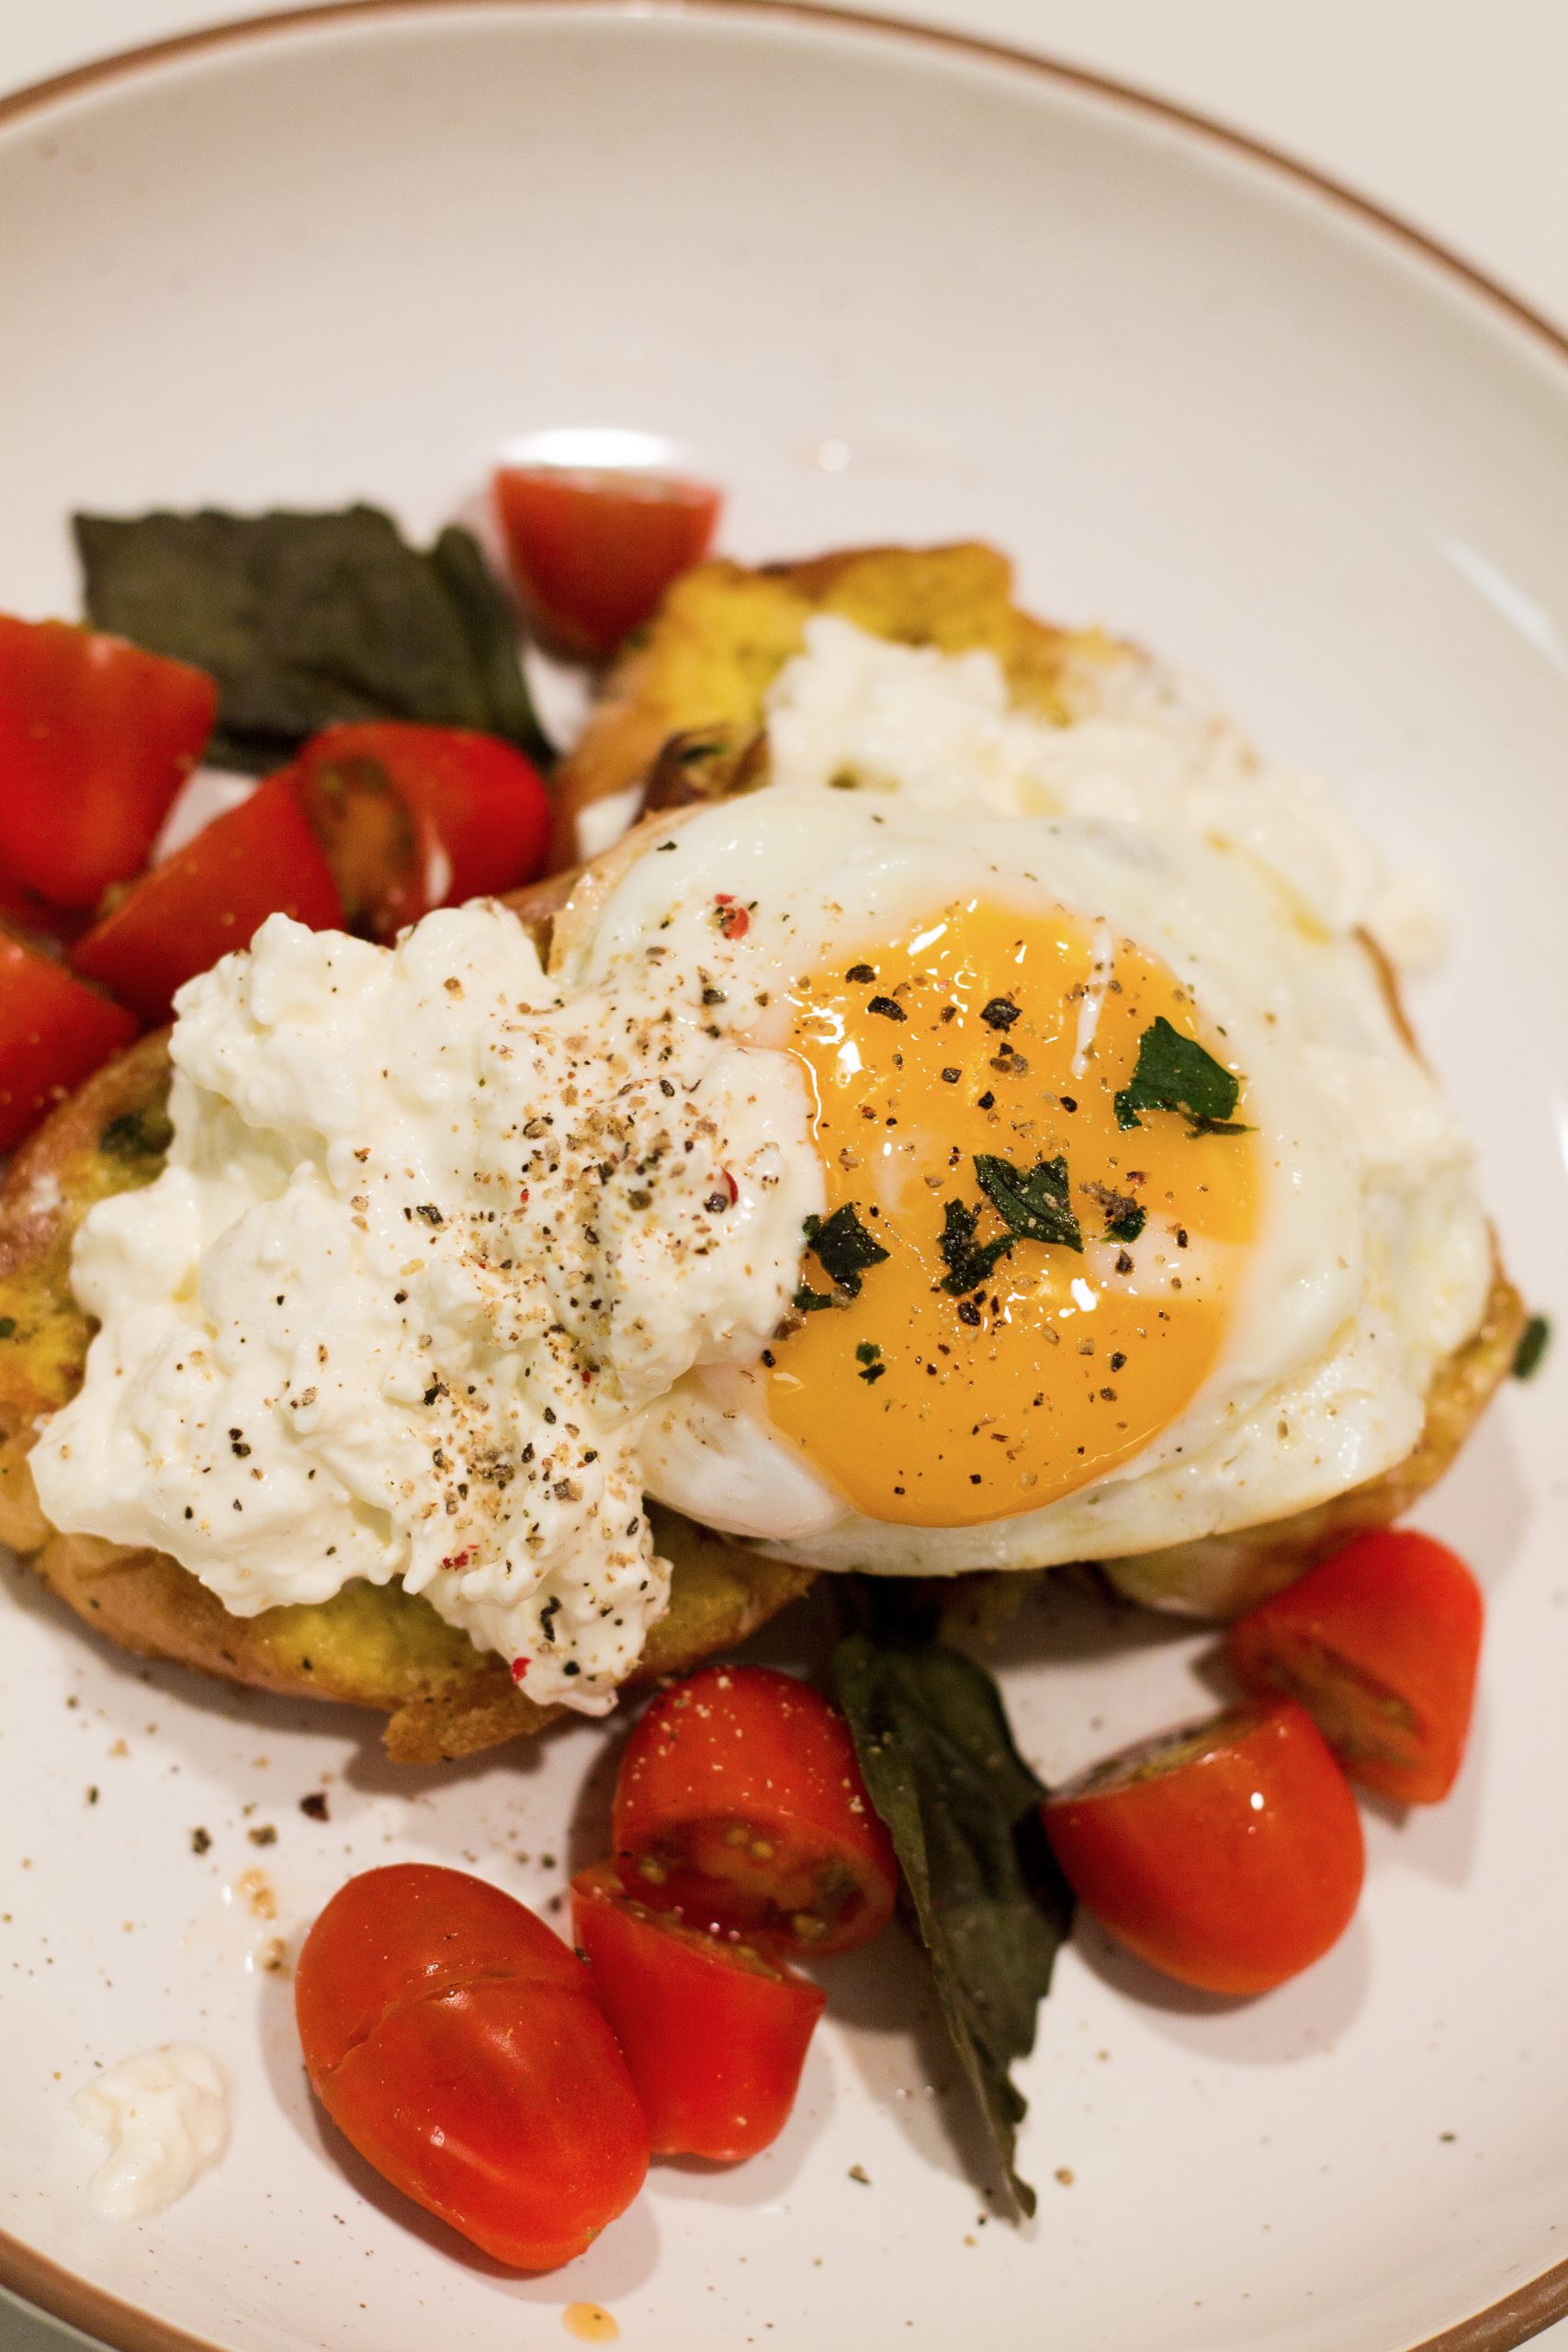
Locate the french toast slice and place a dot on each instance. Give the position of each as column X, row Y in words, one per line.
column 370, row 1645
column 679, row 720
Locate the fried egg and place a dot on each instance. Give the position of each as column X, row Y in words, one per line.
column 964, row 923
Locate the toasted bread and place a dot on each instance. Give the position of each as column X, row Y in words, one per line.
column 680, row 717
column 372, row 1645
column 692, row 686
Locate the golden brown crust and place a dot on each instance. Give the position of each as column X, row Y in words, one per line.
column 699, row 675
column 369, row 1646
column 704, row 664
column 1220, row 1576
column 378, row 1647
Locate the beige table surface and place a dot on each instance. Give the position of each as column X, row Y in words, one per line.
column 1452, row 113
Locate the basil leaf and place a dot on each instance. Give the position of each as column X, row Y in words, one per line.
column 1033, row 1201
column 969, row 1262
column 1174, row 1073
column 844, row 1249
column 962, row 1809
column 307, row 620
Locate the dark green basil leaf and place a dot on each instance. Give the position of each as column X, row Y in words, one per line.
column 1032, row 1201
column 843, row 1247
column 1174, row 1073
column 962, row 1809
column 968, row 1261
column 308, row 620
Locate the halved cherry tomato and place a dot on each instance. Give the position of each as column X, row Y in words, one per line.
column 95, row 738
column 741, row 1804
column 458, row 2043
column 1381, row 1644
column 1229, row 1854
column 260, row 859
column 714, row 2032
column 412, row 818
column 54, row 1030
column 593, row 550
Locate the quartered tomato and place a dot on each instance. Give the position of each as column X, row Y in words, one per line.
column 593, row 550
column 713, row 2030
column 54, row 1030
column 1381, row 1644
column 741, row 1804
column 1229, row 1855
column 412, row 818
column 96, row 737
column 260, row 859
column 458, row 2043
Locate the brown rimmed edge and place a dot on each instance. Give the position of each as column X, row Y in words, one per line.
column 1504, row 2325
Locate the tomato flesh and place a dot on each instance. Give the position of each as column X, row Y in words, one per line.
column 593, row 550
column 96, row 737
column 260, row 859
column 456, row 2042
column 1230, row 1856
column 714, row 2032
column 741, row 1804
column 54, row 1032
column 413, row 817
column 1381, row 1643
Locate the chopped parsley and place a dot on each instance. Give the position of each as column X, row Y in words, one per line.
column 968, row 1261
column 1124, row 1216
column 7, row 1326
column 843, row 1247
column 870, row 1356
column 810, row 1302
column 1032, row 1201
column 1534, row 1339
column 1174, row 1073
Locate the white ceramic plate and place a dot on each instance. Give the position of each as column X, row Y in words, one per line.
column 886, row 287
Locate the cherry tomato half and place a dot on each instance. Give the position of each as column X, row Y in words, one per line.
column 1381, row 1644
column 741, row 1804
column 457, row 2042
column 591, row 551
column 95, row 738
column 54, row 1030
column 1229, row 1855
column 412, row 818
column 714, row 2032
column 260, row 859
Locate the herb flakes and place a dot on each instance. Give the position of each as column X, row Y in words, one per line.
column 844, row 1250
column 1534, row 1341
column 1034, row 1202
column 1175, row 1073
column 968, row 1261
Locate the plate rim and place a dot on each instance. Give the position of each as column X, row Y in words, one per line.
column 36, row 2277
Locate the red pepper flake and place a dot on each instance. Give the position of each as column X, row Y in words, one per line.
column 457, row 1560
column 733, row 921
column 734, row 1187
column 519, row 1669
column 522, row 1197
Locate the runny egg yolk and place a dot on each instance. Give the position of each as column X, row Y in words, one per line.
column 957, row 1384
